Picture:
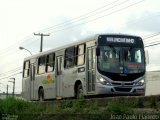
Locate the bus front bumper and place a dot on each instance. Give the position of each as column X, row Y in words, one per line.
column 120, row 90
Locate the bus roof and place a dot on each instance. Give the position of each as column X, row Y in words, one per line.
column 91, row 38
column 62, row 47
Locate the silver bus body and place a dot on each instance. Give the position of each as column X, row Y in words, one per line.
column 63, row 72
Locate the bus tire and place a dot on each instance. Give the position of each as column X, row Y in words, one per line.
column 79, row 91
column 41, row 95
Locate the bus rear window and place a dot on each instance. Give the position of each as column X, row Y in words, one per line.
column 26, row 69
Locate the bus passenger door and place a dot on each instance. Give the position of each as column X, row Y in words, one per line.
column 91, row 57
column 59, row 77
column 32, row 82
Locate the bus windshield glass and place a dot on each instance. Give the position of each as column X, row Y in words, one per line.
column 121, row 58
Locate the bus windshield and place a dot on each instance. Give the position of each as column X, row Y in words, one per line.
column 125, row 60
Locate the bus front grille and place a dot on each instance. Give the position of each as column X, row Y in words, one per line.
column 124, row 84
column 118, row 89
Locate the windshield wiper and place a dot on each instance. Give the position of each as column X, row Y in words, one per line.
column 114, row 51
column 119, row 56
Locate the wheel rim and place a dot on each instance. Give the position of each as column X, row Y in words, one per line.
column 41, row 96
column 80, row 92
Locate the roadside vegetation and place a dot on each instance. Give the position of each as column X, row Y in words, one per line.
column 80, row 109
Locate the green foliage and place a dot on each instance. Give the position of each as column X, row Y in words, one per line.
column 117, row 108
column 67, row 104
column 94, row 105
column 153, row 102
column 139, row 103
column 12, row 106
column 79, row 105
column 72, row 109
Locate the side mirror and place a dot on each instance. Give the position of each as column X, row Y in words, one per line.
column 147, row 56
column 97, row 51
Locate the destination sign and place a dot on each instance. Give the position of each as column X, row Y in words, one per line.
column 120, row 40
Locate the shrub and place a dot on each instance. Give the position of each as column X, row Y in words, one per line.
column 12, row 105
column 117, row 108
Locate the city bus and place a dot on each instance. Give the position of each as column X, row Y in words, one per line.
column 106, row 64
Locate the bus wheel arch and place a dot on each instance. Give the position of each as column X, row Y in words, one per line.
column 78, row 89
column 41, row 94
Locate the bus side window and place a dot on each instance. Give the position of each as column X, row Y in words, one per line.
column 26, row 69
column 138, row 55
column 50, row 62
column 80, row 55
column 69, row 57
column 41, row 64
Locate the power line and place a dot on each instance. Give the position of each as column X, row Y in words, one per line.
column 108, row 14
column 152, row 45
column 12, row 46
column 11, row 73
column 151, row 35
column 144, row 19
column 11, row 51
column 10, row 76
column 92, row 19
column 12, row 70
column 152, row 41
column 2, row 84
column 95, row 14
column 87, row 15
column 79, row 17
column 18, row 68
column 100, row 16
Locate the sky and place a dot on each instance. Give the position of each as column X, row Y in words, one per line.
column 67, row 21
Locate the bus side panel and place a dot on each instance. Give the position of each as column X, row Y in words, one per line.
column 68, row 82
column 26, row 88
column 47, row 82
column 50, row 86
column 81, row 75
column 71, row 76
column 38, row 84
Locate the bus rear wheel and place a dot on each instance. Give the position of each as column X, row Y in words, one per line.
column 41, row 94
column 79, row 91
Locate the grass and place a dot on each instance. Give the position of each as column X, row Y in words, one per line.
column 12, row 106
column 72, row 109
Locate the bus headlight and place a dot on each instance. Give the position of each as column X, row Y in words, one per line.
column 140, row 83
column 103, row 81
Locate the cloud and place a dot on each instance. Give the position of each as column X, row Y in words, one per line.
column 146, row 22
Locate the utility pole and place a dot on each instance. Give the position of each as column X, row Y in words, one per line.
column 7, row 90
column 13, row 84
column 41, row 34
